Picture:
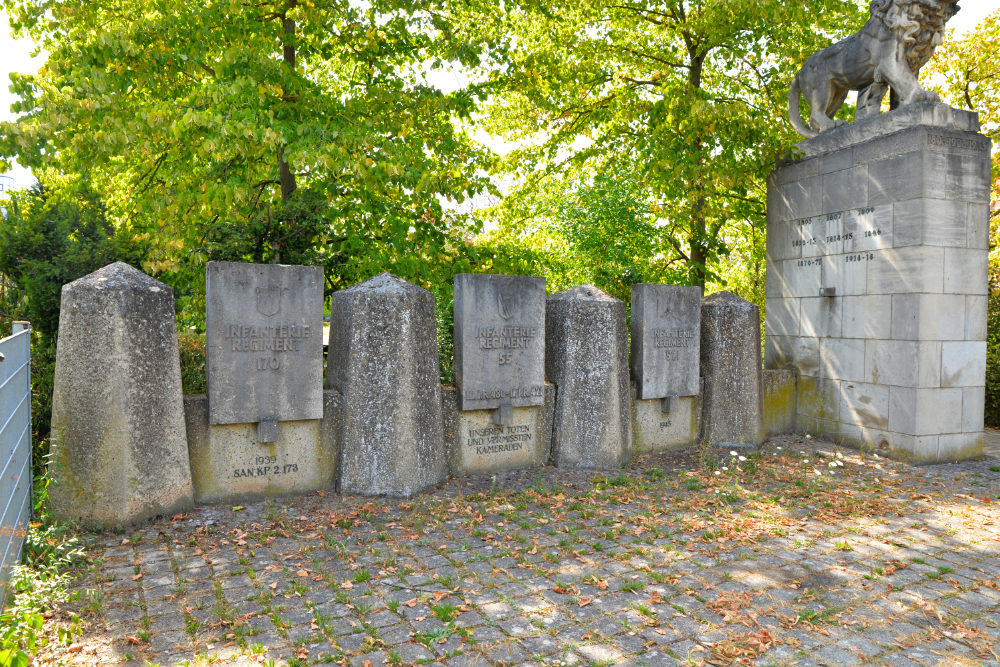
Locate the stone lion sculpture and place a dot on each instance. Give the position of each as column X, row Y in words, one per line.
column 885, row 54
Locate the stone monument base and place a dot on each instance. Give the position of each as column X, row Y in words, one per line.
column 229, row 465
column 476, row 444
column 654, row 430
column 877, row 263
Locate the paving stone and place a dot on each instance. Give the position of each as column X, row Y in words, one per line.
column 510, row 613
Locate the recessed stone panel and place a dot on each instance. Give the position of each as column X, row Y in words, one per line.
column 264, row 342
column 499, row 340
column 666, row 339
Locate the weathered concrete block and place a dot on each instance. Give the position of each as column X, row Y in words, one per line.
column 476, row 444
column 865, row 405
column 666, row 331
column 654, row 430
column 867, row 316
column 586, row 357
column 909, row 269
column 973, row 408
column 845, row 188
column 821, row 316
column 928, row 316
column 963, row 363
column 930, row 222
column 818, row 398
column 783, row 317
column 965, row 271
column 119, row 451
column 925, row 411
column 264, row 342
column 842, row 358
column 499, row 340
column 978, row 226
column 732, row 403
column 903, row 363
column 229, row 464
column 383, row 358
column 780, row 401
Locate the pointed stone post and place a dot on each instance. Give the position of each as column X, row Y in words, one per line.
column 586, row 357
column 383, row 358
column 119, row 449
column 732, row 403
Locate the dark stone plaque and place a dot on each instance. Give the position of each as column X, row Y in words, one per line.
column 264, row 352
column 666, row 330
column 499, row 341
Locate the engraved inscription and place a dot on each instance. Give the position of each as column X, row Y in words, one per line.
column 504, row 392
column 948, row 141
column 265, row 466
column 273, row 339
column 666, row 424
column 498, row 439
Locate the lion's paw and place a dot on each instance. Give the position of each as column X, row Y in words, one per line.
column 926, row 96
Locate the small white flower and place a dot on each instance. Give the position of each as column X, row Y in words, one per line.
column 808, row 437
column 725, row 468
column 778, row 448
column 716, row 490
column 732, row 453
column 817, row 472
column 839, row 455
column 832, row 464
column 805, row 460
column 718, row 472
column 875, row 455
column 743, row 458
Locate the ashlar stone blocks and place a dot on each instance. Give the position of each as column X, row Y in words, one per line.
column 119, row 451
column 888, row 217
column 383, row 359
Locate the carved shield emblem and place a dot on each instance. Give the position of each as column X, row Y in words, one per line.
column 268, row 300
column 503, row 306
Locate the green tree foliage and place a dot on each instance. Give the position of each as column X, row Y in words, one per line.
column 594, row 230
column 283, row 130
column 687, row 98
column 966, row 73
column 51, row 236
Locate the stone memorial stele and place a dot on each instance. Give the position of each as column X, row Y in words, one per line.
column 666, row 338
column 383, row 358
column 499, row 341
column 586, row 357
column 119, row 451
column 732, row 401
column 264, row 344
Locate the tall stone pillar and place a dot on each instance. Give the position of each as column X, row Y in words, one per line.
column 383, row 358
column 876, row 281
column 732, row 403
column 119, row 449
column 586, row 357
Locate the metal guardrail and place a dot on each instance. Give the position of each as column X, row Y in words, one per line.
column 15, row 449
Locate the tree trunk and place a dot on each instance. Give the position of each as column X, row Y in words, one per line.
column 285, row 174
column 698, row 228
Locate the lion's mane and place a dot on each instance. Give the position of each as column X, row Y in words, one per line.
column 917, row 24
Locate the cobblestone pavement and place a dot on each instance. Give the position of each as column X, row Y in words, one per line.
column 806, row 554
